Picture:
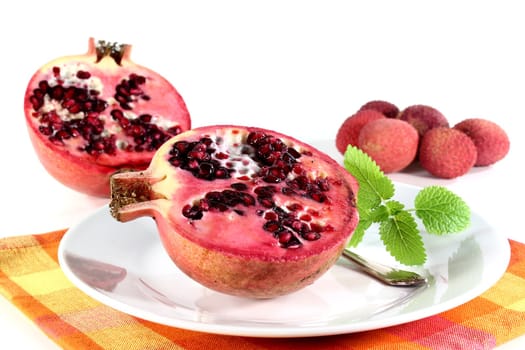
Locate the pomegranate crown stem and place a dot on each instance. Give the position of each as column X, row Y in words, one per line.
column 130, row 187
column 113, row 50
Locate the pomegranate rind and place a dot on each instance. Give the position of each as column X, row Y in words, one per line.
column 232, row 253
column 86, row 173
column 246, row 275
column 85, row 177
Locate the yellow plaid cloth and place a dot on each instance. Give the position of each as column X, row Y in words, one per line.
column 32, row 280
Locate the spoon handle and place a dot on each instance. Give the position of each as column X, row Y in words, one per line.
column 386, row 274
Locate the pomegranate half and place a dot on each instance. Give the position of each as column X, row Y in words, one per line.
column 91, row 114
column 243, row 210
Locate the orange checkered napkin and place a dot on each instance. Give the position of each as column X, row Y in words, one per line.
column 31, row 278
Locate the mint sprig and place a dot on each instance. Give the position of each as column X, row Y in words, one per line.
column 440, row 210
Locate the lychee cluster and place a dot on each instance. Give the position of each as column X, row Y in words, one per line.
column 396, row 138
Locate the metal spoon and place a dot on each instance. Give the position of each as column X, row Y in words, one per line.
column 386, row 274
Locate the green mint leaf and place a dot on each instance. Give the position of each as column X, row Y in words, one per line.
column 359, row 232
column 394, row 207
column 374, row 186
column 402, row 239
column 441, row 210
column 379, row 214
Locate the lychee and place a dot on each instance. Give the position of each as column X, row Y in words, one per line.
column 423, row 118
column 391, row 143
column 348, row 132
column 389, row 109
column 491, row 140
column 446, row 152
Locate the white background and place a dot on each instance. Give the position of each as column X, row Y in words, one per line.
column 299, row 67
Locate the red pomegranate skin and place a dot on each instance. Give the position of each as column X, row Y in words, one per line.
column 230, row 252
column 75, row 161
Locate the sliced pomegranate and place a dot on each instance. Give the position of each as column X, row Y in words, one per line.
column 91, row 114
column 242, row 210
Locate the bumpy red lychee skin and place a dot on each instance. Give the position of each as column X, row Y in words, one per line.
column 492, row 142
column 447, row 153
column 388, row 109
column 423, row 118
column 391, row 143
column 348, row 132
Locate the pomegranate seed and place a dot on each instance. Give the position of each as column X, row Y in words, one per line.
column 45, row 130
column 146, row 118
column 270, row 215
column 265, row 191
column 297, row 169
column 83, row 74
column 239, row 186
column 74, row 132
column 99, row 145
column 43, row 85
column 296, row 225
column 38, row 93
column 67, row 103
column 36, row 102
column 221, row 155
column 285, row 237
column 313, row 212
column 62, row 135
column 323, row 185
column 266, row 202
column 204, row 205
column 75, row 108
column 318, row 196
column 205, row 170
column 329, row 228
column 246, row 199
column 122, row 99
column 311, row 236
column 271, row 226
column 92, row 115
column 222, row 173
column 192, row 212
column 255, row 137
column 174, row 130
column 121, row 90
column 305, row 217
column 294, row 207
column 293, row 152
column 135, row 91
column 292, row 243
column 316, row 227
column 139, row 79
column 69, row 92
column 57, row 93
column 136, row 130
column 56, row 141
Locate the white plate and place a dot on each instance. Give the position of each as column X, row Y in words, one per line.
column 124, row 266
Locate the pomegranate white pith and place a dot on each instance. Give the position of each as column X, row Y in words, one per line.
column 244, row 211
column 89, row 115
